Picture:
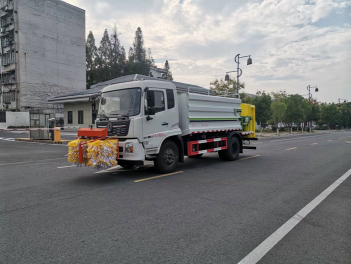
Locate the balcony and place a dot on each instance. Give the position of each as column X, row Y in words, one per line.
column 8, row 79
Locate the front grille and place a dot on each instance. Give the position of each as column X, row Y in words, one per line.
column 120, row 149
column 119, row 131
column 119, row 127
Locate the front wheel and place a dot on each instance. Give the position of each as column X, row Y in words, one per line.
column 167, row 159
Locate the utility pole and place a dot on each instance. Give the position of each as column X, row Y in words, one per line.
column 309, row 102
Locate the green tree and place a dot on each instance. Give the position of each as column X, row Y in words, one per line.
column 279, row 96
column 295, row 109
column 91, row 51
column 246, row 98
column 221, row 86
column 278, row 113
column 315, row 112
column 263, row 104
column 169, row 73
column 345, row 116
column 331, row 116
column 117, row 56
column 138, row 62
column 104, row 58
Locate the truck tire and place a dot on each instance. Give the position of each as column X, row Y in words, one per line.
column 196, row 156
column 167, row 158
column 232, row 152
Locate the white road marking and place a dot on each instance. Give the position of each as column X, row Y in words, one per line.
column 296, row 138
column 314, row 143
column 291, row 148
column 348, row 141
column 32, row 162
column 107, row 170
column 66, row 166
column 262, row 249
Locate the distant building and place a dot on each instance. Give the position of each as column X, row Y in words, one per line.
column 42, row 53
column 157, row 72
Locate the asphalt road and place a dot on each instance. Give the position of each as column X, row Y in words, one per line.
column 208, row 212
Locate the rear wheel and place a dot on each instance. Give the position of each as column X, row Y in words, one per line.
column 167, row 159
column 232, row 152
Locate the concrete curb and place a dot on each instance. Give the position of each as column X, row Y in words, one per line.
column 64, row 142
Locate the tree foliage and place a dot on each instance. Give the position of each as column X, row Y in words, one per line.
column 91, row 53
column 263, row 108
column 222, row 86
column 278, row 112
column 296, row 107
column 169, row 73
column 109, row 61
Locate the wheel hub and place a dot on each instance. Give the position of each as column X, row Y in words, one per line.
column 169, row 157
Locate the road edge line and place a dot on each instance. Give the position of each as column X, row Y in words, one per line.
column 262, row 249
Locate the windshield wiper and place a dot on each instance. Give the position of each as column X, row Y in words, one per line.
column 120, row 115
column 103, row 116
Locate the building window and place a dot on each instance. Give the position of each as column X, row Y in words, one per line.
column 80, row 117
column 170, row 98
column 159, row 101
column 70, row 117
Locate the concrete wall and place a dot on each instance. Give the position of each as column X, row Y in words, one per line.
column 17, row 119
column 51, row 50
column 75, row 107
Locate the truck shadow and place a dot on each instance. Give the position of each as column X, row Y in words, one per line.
column 119, row 175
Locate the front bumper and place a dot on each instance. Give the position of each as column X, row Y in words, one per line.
column 138, row 150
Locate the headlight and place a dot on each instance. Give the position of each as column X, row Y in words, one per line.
column 129, row 148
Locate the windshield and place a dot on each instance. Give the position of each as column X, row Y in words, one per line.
column 124, row 102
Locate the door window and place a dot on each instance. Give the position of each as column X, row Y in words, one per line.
column 170, row 98
column 159, row 101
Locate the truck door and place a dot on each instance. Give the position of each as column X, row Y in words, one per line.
column 156, row 121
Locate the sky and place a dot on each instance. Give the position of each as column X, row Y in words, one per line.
column 292, row 43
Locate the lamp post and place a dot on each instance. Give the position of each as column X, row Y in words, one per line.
column 309, row 87
column 238, row 70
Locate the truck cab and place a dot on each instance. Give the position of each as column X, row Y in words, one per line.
column 141, row 114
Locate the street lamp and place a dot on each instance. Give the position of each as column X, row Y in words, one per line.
column 309, row 87
column 238, row 70
column 345, row 101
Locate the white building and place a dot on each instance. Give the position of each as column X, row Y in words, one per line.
column 157, row 72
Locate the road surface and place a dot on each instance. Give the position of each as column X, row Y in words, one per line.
column 209, row 211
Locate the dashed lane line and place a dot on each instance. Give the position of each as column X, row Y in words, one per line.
column 297, row 138
column 262, row 249
column 31, row 162
column 291, row 148
column 160, row 176
column 67, row 166
column 314, row 143
column 348, row 141
column 249, row 157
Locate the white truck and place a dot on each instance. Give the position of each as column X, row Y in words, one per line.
column 165, row 121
